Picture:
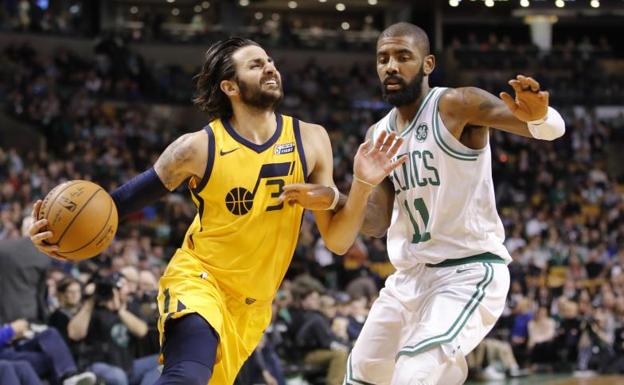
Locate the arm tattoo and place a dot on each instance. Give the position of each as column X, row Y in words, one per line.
column 470, row 96
column 170, row 165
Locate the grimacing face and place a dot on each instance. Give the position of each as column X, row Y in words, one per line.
column 259, row 82
column 401, row 68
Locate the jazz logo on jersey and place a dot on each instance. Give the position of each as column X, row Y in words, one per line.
column 240, row 201
column 285, row 148
column 421, row 132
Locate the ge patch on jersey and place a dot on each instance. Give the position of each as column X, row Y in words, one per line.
column 285, row 148
column 421, row 132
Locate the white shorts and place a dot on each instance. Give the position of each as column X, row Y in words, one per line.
column 452, row 308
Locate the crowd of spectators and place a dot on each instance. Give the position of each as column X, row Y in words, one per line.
column 36, row 16
column 561, row 206
column 576, row 71
column 188, row 24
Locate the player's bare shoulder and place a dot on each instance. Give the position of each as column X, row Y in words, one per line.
column 458, row 108
column 316, row 142
column 184, row 157
column 312, row 131
column 462, row 101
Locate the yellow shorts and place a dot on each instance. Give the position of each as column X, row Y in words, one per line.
column 186, row 288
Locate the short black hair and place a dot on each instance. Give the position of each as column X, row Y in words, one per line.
column 408, row 29
column 217, row 67
column 65, row 283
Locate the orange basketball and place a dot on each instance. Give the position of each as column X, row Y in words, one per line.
column 82, row 218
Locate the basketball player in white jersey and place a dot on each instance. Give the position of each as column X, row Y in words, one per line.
column 445, row 237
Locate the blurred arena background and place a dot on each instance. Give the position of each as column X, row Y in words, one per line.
column 95, row 89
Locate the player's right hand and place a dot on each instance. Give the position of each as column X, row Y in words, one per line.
column 38, row 234
column 310, row 196
column 373, row 162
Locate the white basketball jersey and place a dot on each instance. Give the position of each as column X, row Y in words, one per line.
column 444, row 205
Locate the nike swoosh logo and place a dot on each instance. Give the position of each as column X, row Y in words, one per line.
column 221, row 152
column 461, row 270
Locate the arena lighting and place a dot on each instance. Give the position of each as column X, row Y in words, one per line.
column 454, row 3
column 345, row 25
column 292, row 4
column 372, row 2
column 489, row 3
column 524, row 3
column 197, row 8
column 134, row 10
column 560, row 3
column 175, row 12
column 595, row 3
column 322, row 1
column 170, row 1
column 340, row 7
column 206, row 4
column 258, row 15
column 243, row 3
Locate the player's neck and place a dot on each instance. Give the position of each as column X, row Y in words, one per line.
column 255, row 125
column 406, row 113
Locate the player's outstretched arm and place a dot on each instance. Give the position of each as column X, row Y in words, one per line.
column 318, row 197
column 184, row 158
column 526, row 114
column 372, row 163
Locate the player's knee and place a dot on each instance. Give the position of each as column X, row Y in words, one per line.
column 404, row 377
column 430, row 368
column 185, row 373
column 190, row 338
column 422, row 369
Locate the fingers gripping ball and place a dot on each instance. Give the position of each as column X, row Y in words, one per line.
column 82, row 218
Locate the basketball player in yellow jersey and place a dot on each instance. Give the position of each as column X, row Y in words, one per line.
column 215, row 296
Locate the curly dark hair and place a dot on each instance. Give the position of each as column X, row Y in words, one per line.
column 217, row 67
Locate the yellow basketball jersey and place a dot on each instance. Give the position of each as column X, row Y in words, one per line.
column 243, row 236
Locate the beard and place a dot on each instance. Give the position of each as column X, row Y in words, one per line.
column 409, row 92
column 255, row 96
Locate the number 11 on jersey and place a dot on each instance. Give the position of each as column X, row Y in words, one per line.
column 421, row 208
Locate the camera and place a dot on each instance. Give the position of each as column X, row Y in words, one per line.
column 104, row 286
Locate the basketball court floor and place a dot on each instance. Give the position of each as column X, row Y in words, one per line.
column 555, row 380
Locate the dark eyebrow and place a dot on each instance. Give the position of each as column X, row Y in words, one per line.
column 397, row 52
column 256, row 61
column 404, row 51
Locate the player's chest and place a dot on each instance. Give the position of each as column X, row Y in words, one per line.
column 245, row 176
column 423, row 165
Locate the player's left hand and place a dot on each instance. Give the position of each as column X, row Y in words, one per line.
column 38, row 234
column 530, row 103
column 373, row 162
column 309, row 196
